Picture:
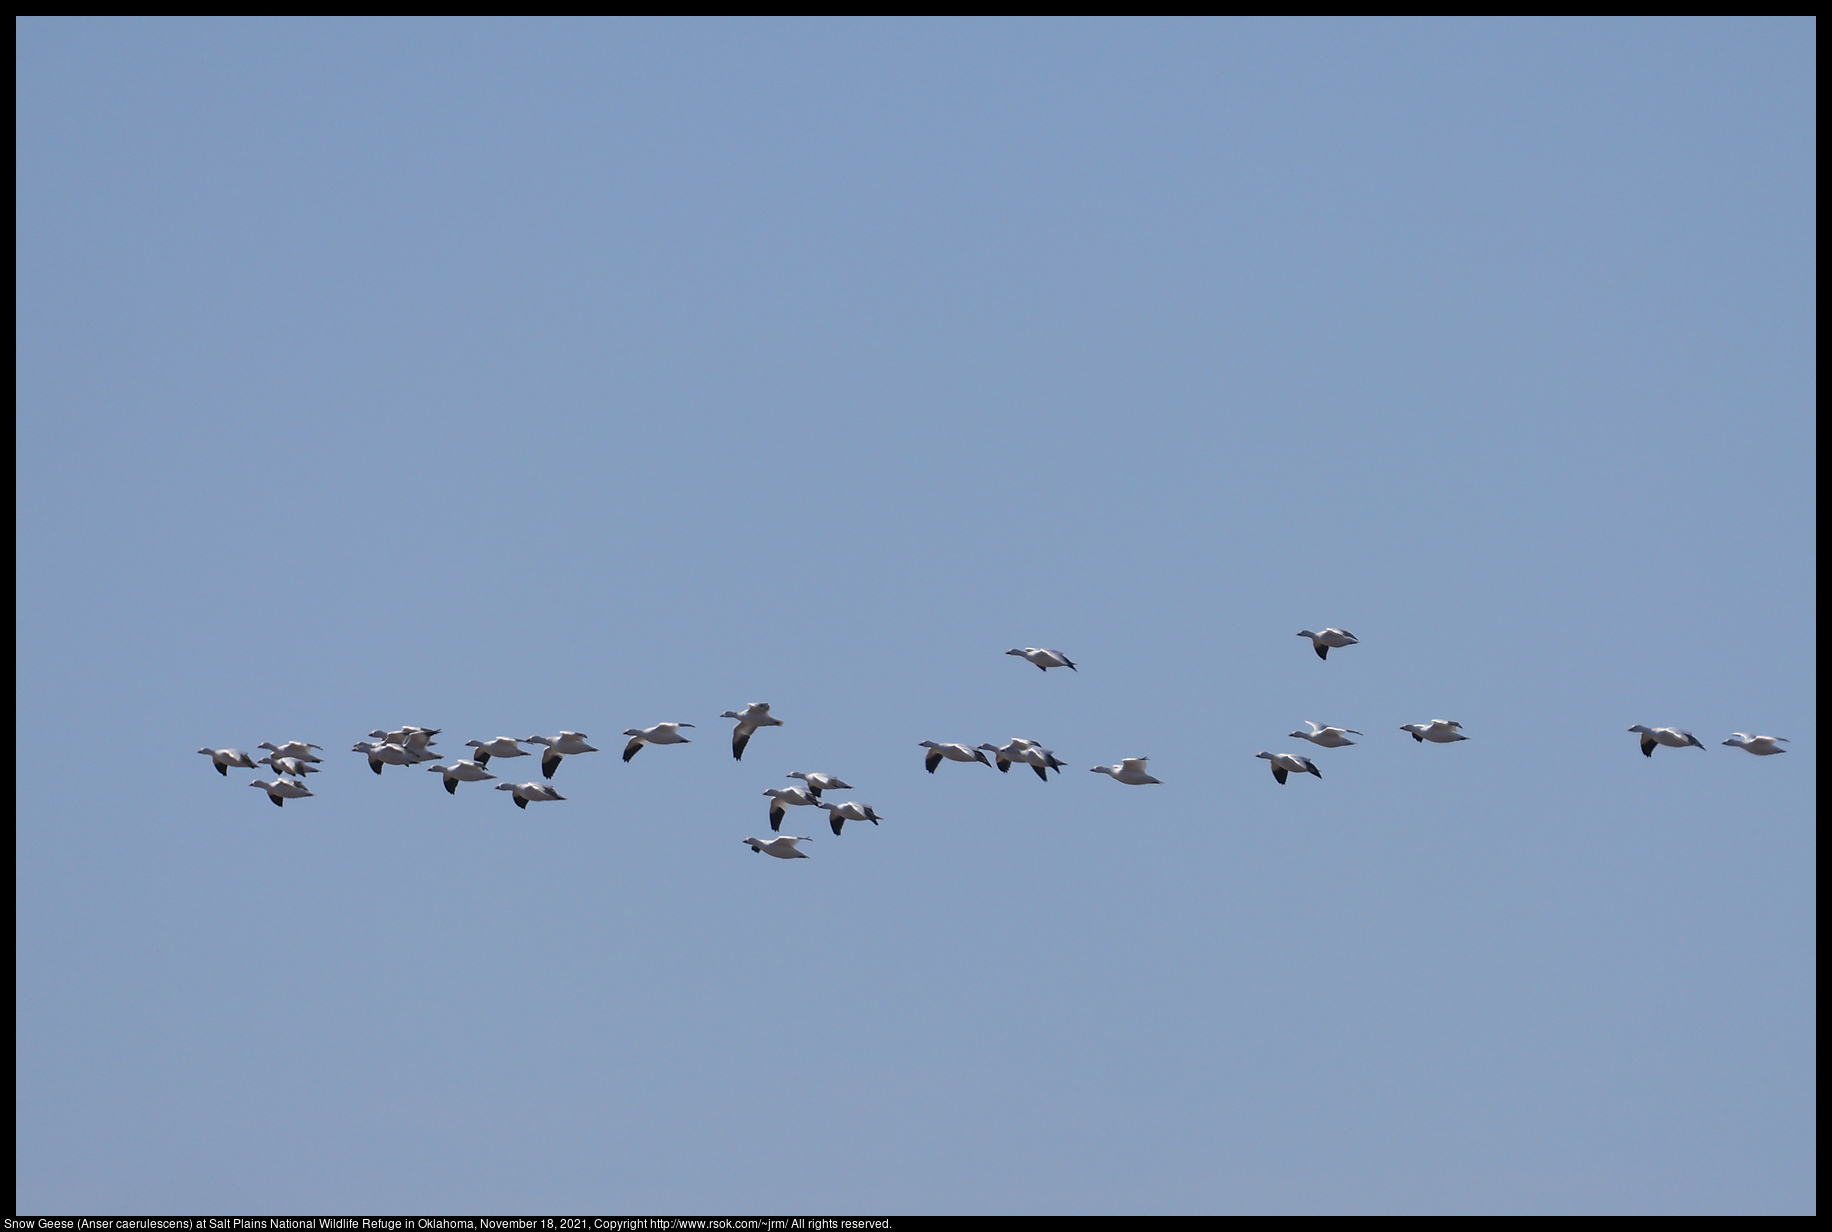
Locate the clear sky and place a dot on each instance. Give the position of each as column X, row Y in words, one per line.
column 511, row 376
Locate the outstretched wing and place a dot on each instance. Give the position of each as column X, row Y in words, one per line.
column 630, row 749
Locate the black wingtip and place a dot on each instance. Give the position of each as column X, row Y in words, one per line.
column 1278, row 772
column 279, row 800
column 451, row 785
column 222, row 770
column 482, row 758
column 375, row 766
column 1323, row 652
column 837, row 823
column 1042, row 773
column 520, row 803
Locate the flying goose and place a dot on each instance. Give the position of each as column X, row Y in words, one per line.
column 292, row 748
column 1025, row 752
column 282, row 790
column 1328, row 737
column 781, row 798
column 1438, row 731
column 1044, row 659
column 1329, row 638
column 222, row 759
column 385, row 753
column 661, row 733
column 414, row 738
column 1130, row 770
column 1672, row 737
column 953, row 752
column 502, row 746
column 290, row 766
column 1761, row 746
column 839, row 814
column 566, row 744
column 525, row 792
column 817, row 783
column 782, row 846
column 753, row 716
column 1290, row 763
column 461, row 772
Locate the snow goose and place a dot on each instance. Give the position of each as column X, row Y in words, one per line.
column 1761, row 746
column 782, row 846
column 1438, row 731
column 839, row 814
column 1672, row 737
column 381, row 754
column 414, row 738
column 461, row 772
column 222, row 759
column 661, row 733
column 1044, row 659
column 953, row 752
column 1290, row 763
column 817, row 783
column 525, row 792
column 1130, row 770
column 1328, row 639
column 292, row 767
column 566, row 744
column 753, row 716
column 1025, row 752
column 292, row 748
column 1328, row 737
column 781, row 798
column 502, row 746
column 282, row 790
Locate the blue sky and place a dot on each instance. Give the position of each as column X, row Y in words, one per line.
column 513, row 376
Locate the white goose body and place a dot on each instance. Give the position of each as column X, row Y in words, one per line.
column 839, row 814
column 566, row 744
column 502, row 746
column 1672, row 737
column 292, row 748
column 461, row 772
column 1328, row 640
column 782, row 846
column 661, row 733
column 222, row 759
column 282, row 790
column 1438, row 731
column 1290, row 763
column 1761, row 746
column 780, row 800
column 414, row 738
column 1327, row 737
column 1025, row 752
column 953, row 752
column 384, row 754
column 753, row 716
column 1043, row 658
column 525, row 792
column 817, row 783
column 292, row 767
column 1130, row 770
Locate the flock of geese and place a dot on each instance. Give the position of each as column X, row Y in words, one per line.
column 409, row 746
